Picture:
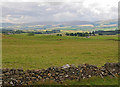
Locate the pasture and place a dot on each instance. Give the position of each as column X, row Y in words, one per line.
column 43, row 51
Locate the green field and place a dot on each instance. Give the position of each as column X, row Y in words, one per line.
column 91, row 81
column 43, row 51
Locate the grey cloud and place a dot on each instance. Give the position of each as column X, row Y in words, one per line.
column 54, row 3
column 53, row 11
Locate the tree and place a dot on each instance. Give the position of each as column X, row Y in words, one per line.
column 90, row 33
column 58, row 34
column 83, row 34
column 86, row 34
column 93, row 33
column 79, row 34
column 75, row 34
column 100, row 34
column 71, row 34
column 67, row 34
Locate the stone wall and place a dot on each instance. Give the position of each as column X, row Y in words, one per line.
column 16, row 77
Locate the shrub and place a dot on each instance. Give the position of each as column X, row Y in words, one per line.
column 59, row 35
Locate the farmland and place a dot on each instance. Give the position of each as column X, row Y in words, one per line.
column 60, row 43
column 43, row 51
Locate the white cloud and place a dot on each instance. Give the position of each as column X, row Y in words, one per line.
column 22, row 17
column 60, row 10
column 48, row 9
column 65, row 16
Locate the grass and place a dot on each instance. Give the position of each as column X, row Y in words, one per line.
column 43, row 51
column 91, row 82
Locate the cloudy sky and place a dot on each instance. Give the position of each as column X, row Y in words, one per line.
column 16, row 11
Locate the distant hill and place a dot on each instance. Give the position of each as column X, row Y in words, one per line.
column 7, row 24
column 103, row 24
column 106, row 22
column 113, row 21
column 76, row 23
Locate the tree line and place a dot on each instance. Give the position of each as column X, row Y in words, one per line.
column 82, row 34
column 111, row 32
column 7, row 32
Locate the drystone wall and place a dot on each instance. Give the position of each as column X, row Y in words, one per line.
column 17, row 77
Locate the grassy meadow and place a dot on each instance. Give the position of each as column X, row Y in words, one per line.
column 93, row 81
column 43, row 51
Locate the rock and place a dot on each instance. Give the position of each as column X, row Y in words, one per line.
column 65, row 66
column 18, row 77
